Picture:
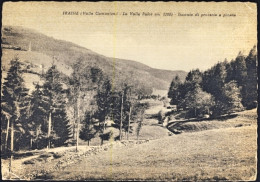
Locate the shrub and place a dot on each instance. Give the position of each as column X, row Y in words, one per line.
column 161, row 116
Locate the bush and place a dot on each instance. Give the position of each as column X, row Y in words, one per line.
column 161, row 116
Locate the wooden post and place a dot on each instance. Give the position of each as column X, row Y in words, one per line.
column 121, row 119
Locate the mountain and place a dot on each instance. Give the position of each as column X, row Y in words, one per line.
column 39, row 49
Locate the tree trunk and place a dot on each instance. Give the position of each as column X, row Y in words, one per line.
column 78, row 121
column 49, row 132
column 37, row 136
column 74, row 122
column 31, row 143
column 77, row 135
column 88, row 142
column 7, row 133
column 129, row 119
column 101, row 140
column 121, row 120
column 12, row 145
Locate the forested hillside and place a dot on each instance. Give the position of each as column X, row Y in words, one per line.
column 55, row 92
column 226, row 87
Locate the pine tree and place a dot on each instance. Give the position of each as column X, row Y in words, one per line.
column 14, row 105
column 38, row 118
column 230, row 71
column 89, row 130
column 103, row 99
column 240, row 70
column 249, row 99
column 138, row 116
column 58, row 124
column 173, row 92
column 213, row 81
column 194, row 76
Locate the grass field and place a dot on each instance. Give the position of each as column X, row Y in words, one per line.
column 221, row 153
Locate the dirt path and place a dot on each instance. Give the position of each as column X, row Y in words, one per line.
column 217, row 154
column 151, row 130
column 226, row 154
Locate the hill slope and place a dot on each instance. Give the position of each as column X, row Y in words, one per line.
column 209, row 155
column 18, row 39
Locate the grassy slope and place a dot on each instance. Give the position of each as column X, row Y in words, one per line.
column 37, row 59
column 222, row 153
column 228, row 153
column 68, row 53
column 239, row 119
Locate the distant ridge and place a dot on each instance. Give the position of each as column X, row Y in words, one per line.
column 68, row 53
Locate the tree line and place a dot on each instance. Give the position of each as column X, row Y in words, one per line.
column 224, row 88
column 61, row 109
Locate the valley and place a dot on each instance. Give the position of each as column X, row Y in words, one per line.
column 72, row 114
column 213, row 153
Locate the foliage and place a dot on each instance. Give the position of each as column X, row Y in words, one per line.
column 228, row 86
column 15, row 104
column 198, row 102
column 249, row 98
column 54, row 93
column 138, row 115
column 88, row 130
column 232, row 97
column 161, row 116
column 103, row 100
column 173, row 92
column 39, row 116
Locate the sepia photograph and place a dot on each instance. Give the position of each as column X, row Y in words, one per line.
column 129, row 91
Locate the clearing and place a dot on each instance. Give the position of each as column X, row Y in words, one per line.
column 220, row 149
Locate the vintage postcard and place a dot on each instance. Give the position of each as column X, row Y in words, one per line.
column 151, row 91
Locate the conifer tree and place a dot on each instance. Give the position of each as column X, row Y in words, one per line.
column 89, row 128
column 103, row 100
column 14, row 105
column 249, row 99
column 58, row 124
column 173, row 92
column 38, row 118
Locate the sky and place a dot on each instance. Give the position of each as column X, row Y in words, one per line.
column 165, row 42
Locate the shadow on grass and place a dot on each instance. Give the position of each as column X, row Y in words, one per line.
column 22, row 155
column 151, row 116
column 44, row 177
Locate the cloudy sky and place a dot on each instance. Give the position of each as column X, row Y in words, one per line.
column 165, row 42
